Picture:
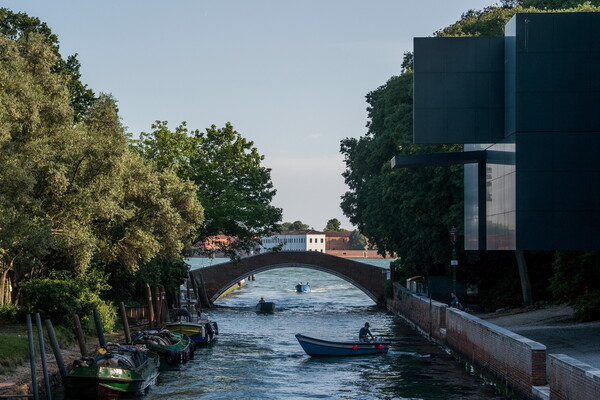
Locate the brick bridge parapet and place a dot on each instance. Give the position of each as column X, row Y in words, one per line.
column 218, row 278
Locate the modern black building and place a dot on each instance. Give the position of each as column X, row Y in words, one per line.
column 526, row 106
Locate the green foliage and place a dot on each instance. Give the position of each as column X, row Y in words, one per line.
column 20, row 27
column 76, row 196
column 293, row 226
column 575, row 274
column 357, row 241
column 11, row 313
column 334, row 225
column 388, row 290
column 558, row 4
column 587, row 307
column 406, row 211
column 235, row 190
column 402, row 272
column 60, row 296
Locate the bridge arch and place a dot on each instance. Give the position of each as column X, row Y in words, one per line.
column 215, row 280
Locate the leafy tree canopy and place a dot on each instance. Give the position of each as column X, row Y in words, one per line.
column 74, row 196
column 16, row 26
column 357, row 241
column 231, row 184
column 293, row 226
column 334, row 225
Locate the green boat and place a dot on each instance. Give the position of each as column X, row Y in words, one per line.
column 172, row 348
column 114, row 372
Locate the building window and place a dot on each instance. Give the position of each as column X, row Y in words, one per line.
column 321, row 240
column 310, row 240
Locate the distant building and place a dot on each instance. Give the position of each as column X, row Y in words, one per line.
column 306, row 240
column 337, row 240
column 216, row 247
column 216, row 242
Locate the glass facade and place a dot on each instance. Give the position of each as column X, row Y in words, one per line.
column 542, row 180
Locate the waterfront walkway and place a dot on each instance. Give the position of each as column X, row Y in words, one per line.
column 555, row 327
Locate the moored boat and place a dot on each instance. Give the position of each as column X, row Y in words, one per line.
column 302, row 288
column 172, row 348
column 114, row 372
column 324, row 348
column 201, row 332
column 266, row 307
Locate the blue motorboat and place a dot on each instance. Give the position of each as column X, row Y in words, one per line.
column 302, row 288
column 324, row 348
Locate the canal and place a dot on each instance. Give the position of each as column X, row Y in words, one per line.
column 258, row 357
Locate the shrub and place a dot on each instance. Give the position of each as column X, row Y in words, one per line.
column 587, row 307
column 11, row 313
column 389, row 289
column 60, row 296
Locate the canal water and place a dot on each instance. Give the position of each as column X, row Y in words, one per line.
column 258, row 357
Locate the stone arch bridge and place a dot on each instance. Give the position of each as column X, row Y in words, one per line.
column 215, row 280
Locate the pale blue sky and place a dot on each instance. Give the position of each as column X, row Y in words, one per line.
column 290, row 75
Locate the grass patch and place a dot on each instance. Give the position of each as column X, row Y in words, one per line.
column 13, row 351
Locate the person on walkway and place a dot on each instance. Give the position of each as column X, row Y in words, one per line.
column 364, row 331
column 455, row 302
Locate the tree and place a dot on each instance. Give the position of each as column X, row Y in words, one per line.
column 16, row 26
column 235, row 190
column 334, row 225
column 293, row 226
column 407, row 211
column 74, row 196
column 357, row 241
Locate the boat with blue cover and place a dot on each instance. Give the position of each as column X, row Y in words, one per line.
column 300, row 288
column 325, row 348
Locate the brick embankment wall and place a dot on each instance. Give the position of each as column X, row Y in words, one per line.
column 429, row 316
column 571, row 379
column 516, row 362
column 512, row 360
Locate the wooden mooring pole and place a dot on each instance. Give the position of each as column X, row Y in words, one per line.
column 56, row 350
column 150, row 307
column 38, row 322
column 99, row 329
column 79, row 335
column 125, row 322
column 34, row 385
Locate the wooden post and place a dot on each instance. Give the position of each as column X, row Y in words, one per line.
column 56, row 349
column 166, row 317
column 150, row 308
column 79, row 335
column 34, row 384
column 99, row 329
column 125, row 322
column 157, row 316
column 189, row 297
column 38, row 322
